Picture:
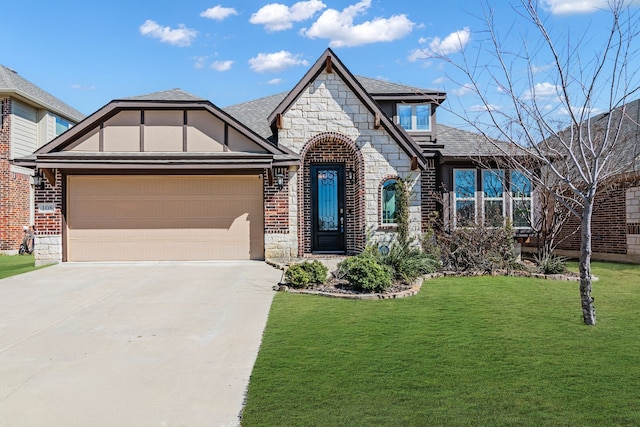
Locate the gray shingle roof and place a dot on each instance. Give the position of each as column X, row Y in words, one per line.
column 457, row 142
column 166, row 95
column 12, row 82
column 376, row 86
column 254, row 113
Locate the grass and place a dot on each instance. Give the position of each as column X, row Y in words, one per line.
column 464, row 352
column 16, row 264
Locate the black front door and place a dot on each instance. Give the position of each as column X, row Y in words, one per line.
column 327, row 208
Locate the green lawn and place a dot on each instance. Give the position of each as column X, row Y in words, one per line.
column 494, row 351
column 16, row 264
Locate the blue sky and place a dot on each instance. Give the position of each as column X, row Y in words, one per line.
column 88, row 53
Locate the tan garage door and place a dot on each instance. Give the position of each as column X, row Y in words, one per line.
column 163, row 218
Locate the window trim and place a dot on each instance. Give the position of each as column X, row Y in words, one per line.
column 513, row 198
column 414, row 117
column 473, row 198
column 383, row 184
column 501, row 199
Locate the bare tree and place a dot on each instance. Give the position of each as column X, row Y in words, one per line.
column 580, row 152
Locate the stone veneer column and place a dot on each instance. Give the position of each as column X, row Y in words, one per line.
column 633, row 220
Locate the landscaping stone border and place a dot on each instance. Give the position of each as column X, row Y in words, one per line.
column 282, row 287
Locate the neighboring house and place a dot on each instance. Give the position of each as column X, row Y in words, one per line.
column 170, row 176
column 616, row 216
column 30, row 117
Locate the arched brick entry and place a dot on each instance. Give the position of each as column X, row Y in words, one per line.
column 332, row 147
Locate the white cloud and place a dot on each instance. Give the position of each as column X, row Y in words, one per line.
column 463, row 90
column 275, row 62
column 454, row 42
column 340, row 29
column 439, row 81
column 278, row 17
column 80, row 87
column 580, row 111
column 275, row 81
column 221, row 65
column 181, row 36
column 568, row 7
column 198, row 62
column 218, row 12
column 422, row 40
column 535, row 69
column 542, row 90
column 482, row 108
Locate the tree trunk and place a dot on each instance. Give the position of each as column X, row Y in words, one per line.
column 588, row 309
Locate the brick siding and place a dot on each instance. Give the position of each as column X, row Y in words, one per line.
column 333, row 148
column 15, row 190
column 276, row 203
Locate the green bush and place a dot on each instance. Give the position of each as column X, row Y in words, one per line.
column 365, row 274
column 306, row 273
column 407, row 262
column 551, row 264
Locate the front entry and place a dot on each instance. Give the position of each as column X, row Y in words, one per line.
column 327, row 208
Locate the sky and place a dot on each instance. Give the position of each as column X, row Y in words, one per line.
column 89, row 53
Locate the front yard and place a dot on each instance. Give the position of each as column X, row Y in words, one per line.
column 464, row 351
column 16, row 264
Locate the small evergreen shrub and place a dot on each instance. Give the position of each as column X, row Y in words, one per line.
column 306, row 274
column 365, row 274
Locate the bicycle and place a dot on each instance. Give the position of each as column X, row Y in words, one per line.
column 28, row 242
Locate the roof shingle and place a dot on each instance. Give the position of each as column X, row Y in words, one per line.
column 12, row 82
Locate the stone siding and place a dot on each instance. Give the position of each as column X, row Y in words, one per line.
column 328, row 107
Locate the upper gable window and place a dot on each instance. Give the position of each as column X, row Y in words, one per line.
column 62, row 125
column 414, row 117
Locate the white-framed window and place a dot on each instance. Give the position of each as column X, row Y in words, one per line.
column 414, row 117
column 521, row 200
column 493, row 206
column 464, row 190
column 388, row 199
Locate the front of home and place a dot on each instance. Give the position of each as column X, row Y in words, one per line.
column 170, row 176
column 29, row 118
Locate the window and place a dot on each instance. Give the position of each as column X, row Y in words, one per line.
column 389, row 202
column 521, row 207
column 493, row 197
column 464, row 182
column 62, row 126
column 414, row 117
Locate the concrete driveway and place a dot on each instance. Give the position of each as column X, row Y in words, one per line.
column 140, row 344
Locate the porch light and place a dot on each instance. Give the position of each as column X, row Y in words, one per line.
column 350, row 175
column 280, row 181
column 38, row 180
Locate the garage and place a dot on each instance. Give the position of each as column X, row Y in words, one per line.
column 164, row 217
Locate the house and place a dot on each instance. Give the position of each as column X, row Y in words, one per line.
column 615, row 223
column 170, row 176
column 30, row 117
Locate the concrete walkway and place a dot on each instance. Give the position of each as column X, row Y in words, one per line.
column 140, row 344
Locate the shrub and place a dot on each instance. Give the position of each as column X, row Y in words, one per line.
column 477, row 248
column 551, row 264
column 306, row 273
column 407, row 262
column 364, row 273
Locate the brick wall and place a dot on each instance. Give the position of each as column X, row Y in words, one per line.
column 49, row 225
column 333, row 148
column 428, row 193
column 276, row 203
column 608, row 227
column 15, row 190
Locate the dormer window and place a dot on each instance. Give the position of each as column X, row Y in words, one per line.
column 414, row 117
